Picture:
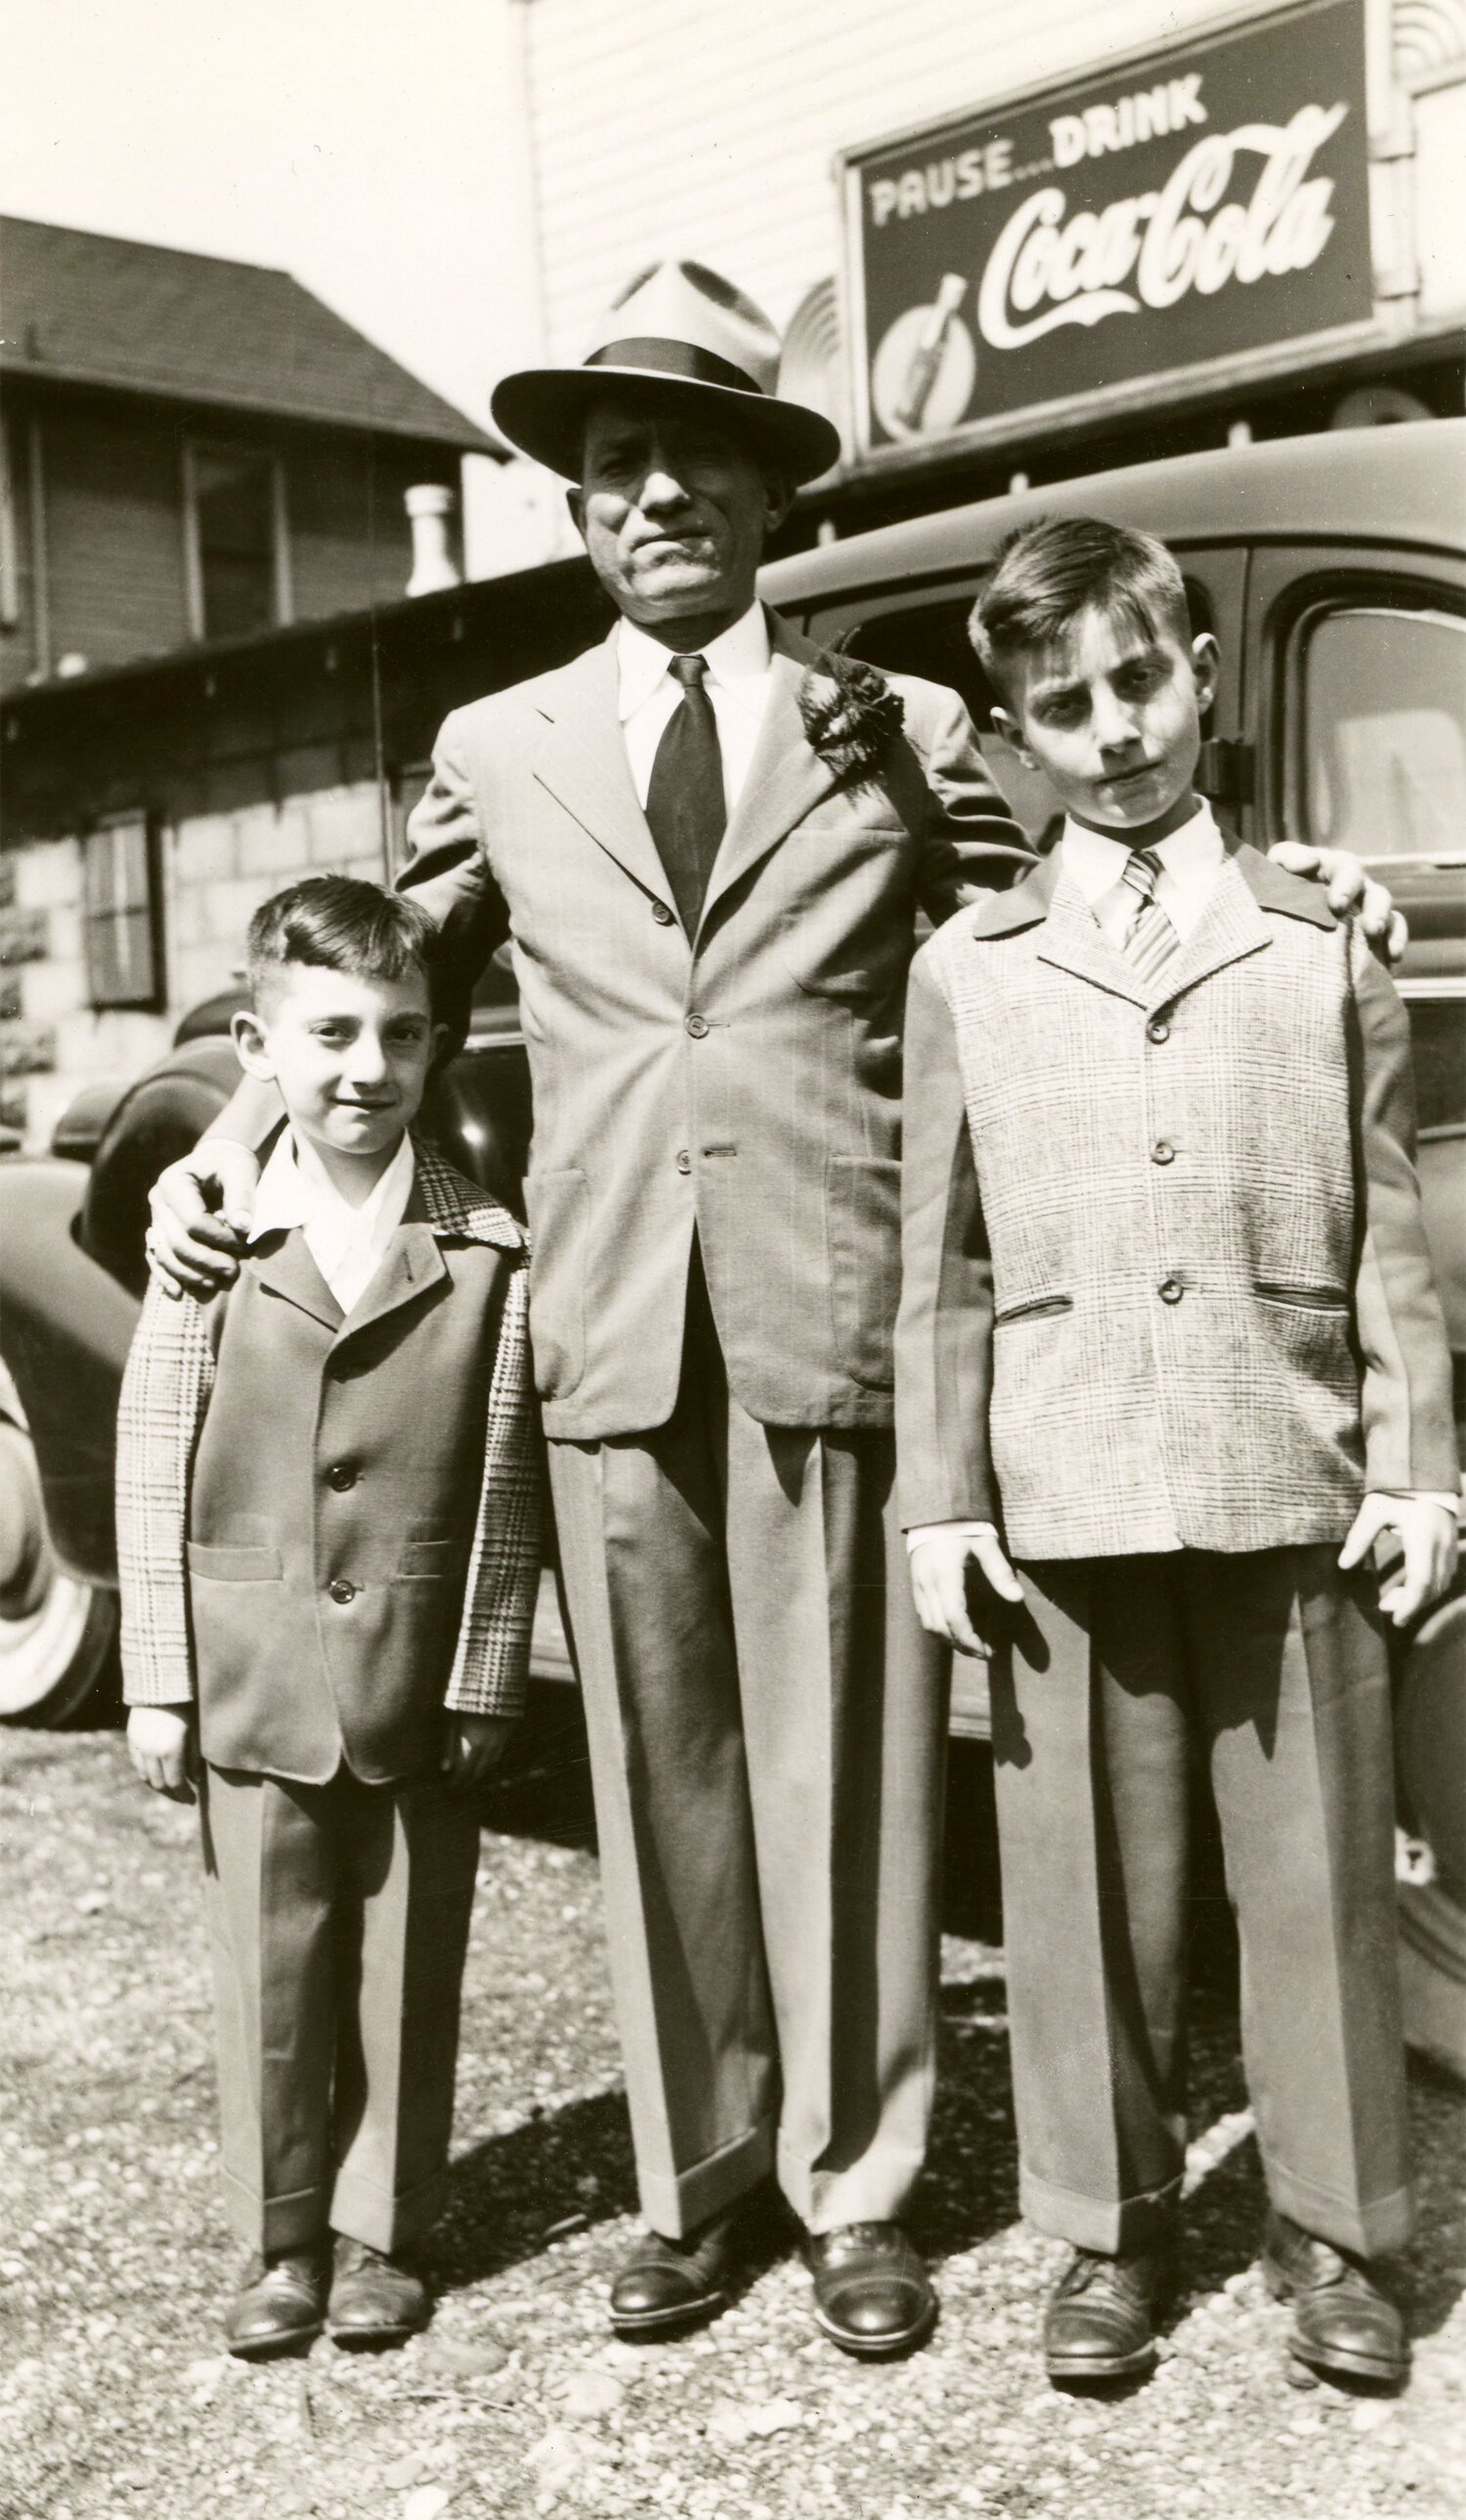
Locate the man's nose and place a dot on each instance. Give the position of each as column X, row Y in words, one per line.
column 661, row 489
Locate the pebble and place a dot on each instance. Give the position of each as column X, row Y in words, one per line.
column 589, row 2395
column 427, row 2503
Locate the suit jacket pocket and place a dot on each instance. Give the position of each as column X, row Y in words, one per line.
column 424, row 1560
column 559, row 1204
column 863, row 1208
column 220, row 1562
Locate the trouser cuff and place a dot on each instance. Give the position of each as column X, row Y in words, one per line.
column 362, row 2210
column 675, row 2204
column 1369, row 2230
column 272, row 2224
column 1112, row 2226
column 877, row 2189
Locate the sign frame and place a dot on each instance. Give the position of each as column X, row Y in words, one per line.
column 1185, row 382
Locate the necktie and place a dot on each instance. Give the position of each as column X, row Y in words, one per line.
column 1150, row 940
column 684, row 804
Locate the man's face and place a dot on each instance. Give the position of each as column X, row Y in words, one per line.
column 350, row 1055
column 1112, row 713
column 673, row 512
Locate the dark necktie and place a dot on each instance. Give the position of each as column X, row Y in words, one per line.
column 684, row 804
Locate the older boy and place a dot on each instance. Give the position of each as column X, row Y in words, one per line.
column 327, row 1542
column 1168, row 1324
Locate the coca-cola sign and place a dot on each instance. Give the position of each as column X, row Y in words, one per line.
column 1171, row 217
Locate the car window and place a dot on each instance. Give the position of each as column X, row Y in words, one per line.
column 1385, row 731
column 1437, row 1036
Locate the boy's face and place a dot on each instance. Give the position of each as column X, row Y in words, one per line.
column 350, row 1055
column 1113, row 713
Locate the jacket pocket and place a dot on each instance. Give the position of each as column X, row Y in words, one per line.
column 1307, row 1299
column 221, row 1564
column 1035, row 1310
column 424, row 1561
column 863, row 1205
column 559, row 1204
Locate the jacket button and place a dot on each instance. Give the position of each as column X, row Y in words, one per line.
column 684, row 1161
column 1172, row 1290
column 1158, row 1029
column 1162, row 1153
column 340, row 1475
column 697, row 1027
column 664, row 917
column 341, row 1589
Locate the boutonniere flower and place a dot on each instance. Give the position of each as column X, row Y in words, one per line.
column 850, row 713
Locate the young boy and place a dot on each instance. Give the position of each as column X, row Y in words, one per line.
column 1168, row 1327
column 327, row 1539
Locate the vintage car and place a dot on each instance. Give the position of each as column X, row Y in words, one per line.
column 1333, row 570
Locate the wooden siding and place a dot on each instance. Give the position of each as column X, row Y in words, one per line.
column 114, row 546
column 709, row 132
column 350, row 541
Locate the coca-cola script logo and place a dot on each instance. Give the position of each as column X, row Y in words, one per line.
column 1185, row 237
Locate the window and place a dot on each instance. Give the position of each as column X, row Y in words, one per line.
column 120, row 914
column 235, row 540
column 1385, row 732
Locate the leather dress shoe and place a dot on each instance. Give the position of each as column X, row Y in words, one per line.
column 873, row 2294
column 1342, row 2322
column 375, row 2300
column 666, row 2284
column 1098, row 2324
column 281, row 2303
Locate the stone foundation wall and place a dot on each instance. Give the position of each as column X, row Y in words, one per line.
column 217, row 870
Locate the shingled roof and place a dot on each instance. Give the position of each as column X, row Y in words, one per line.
column 103, row 310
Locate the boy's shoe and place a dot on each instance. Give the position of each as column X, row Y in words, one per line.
column 1100, row 2320
column 1342, row 2322
column 375, row 2299
column 872, row 2294
column 665, row 2284
column 281, row 2303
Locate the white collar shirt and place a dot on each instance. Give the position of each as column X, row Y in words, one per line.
column 345, row 1242
column 739, row 673
column 1192, row 860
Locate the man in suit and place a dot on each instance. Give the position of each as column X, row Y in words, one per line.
column 709, row 842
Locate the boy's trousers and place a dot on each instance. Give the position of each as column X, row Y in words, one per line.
column 338, row 1916
column 1274, row 1668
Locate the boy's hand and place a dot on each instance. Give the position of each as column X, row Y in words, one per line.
column 1350, row 888
column 938, row 1582
column 202, row 1209
column 475, row 1743
column 1426, row 1534
column 160, row 1746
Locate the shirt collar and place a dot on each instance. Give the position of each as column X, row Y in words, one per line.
column 288, row 1196
column 739, row 654
column 1096, row 862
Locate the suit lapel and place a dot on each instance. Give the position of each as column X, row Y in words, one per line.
column 1230, row 926
column 1073, row 940
column 786, row 779
column 411, row 1263
column 581, row 760
column 288, row 1271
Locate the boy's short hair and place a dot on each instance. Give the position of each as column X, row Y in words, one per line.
column 1049, row 573
column 340, row 922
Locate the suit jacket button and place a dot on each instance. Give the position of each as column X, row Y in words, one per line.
column 1162, row 1153
column 1158, row 1029
column 664, row 917
column 1172, row 1290
column 684, row 1161
column 697, row 1027
column 340, row 1475
column 341, row 1591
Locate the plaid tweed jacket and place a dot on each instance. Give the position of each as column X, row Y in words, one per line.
column 328, row 1526
column 1164, row 1271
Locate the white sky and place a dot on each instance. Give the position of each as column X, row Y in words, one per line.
column 368, row 145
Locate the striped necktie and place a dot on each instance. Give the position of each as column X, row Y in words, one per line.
column 1151, row 943
column 684, row 804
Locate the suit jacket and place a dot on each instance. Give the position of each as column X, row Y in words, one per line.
column 1166, row 1273
column 297, row 1537
column 743, row 1083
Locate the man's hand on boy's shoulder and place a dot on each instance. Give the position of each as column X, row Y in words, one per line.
column 475, row 1745
column 1426, row 1529
column 161, row 1747
column 1350, row 888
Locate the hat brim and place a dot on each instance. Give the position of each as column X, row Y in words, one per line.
column 543, row 411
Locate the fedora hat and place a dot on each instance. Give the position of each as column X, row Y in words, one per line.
column 698, row 339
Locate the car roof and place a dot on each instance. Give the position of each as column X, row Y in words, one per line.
column 1403, row 483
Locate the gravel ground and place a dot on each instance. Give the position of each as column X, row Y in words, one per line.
column 118, row 2403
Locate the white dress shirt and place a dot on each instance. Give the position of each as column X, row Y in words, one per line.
column 1192, row 860
column 739, row 677
column 345, row 1242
